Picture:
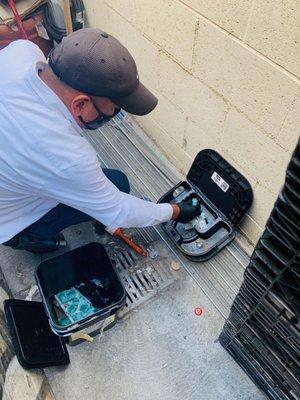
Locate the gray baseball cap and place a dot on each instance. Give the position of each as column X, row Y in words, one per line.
column 97, row 64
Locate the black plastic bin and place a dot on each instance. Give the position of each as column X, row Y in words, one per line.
column 72, row 268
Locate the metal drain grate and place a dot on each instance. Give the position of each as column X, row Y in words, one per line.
column 141, row 279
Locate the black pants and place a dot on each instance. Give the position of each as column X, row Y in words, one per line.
column 62, row 216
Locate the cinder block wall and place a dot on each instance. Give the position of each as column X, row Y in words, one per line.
column 226, row 73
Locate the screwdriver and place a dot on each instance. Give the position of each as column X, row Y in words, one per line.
column 119, row 233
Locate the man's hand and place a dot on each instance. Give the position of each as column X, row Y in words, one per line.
column 184, row 212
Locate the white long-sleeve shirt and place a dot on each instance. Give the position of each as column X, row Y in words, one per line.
column 45, row 161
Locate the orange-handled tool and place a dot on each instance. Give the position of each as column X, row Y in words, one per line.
column 119, row 233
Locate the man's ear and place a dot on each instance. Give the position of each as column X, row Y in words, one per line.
column 81, row 104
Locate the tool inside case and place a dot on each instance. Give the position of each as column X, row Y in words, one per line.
column 224, row 196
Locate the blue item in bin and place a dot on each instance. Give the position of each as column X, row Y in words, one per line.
column 65, row 321
column 75, row 306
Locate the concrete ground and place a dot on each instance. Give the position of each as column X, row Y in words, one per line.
column 160, row 351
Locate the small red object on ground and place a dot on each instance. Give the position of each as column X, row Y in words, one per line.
column 198, row 311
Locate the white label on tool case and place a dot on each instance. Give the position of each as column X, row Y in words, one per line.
column 220, row 181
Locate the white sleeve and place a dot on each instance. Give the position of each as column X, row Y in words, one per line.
column 85, row 187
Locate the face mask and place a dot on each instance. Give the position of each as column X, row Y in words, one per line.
column 100, row 120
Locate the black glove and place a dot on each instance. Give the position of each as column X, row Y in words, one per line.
column 188, row 211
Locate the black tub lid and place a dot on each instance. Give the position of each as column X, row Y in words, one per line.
column 36, row 346
column 222, row 184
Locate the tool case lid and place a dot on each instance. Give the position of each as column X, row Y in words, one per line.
column 35, row 344
column 222, row 184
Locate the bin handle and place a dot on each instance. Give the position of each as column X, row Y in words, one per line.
column 83, row 336
column 113, row 311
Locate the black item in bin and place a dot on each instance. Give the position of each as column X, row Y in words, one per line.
column 225, row 195
column 72, row 268
column 35, row 344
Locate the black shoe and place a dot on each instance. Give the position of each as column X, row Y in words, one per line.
column 99, row 228
column 22, row 242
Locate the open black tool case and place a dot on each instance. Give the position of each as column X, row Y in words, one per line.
column 225, row 197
